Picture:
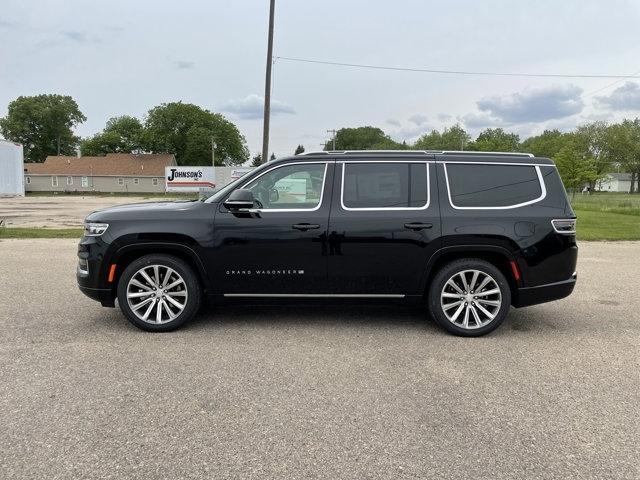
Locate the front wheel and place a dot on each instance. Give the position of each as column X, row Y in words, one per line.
column 469, row 297
column 158, row 293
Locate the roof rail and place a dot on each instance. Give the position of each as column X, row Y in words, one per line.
column 425, row 152
column 490, row 154
column 344, row 152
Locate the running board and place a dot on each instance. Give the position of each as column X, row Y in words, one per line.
column 314, row 295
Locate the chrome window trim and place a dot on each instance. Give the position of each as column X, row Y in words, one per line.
column 382, row 209
column 284, row 210
column 543, row 188
column 517, row 164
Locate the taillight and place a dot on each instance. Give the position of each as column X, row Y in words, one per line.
column 565, row 226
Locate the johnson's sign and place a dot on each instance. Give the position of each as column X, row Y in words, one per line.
column 189, row 179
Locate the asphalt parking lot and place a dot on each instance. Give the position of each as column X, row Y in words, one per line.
column 60, row 211
column 327, row 392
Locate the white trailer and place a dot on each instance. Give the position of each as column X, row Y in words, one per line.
column 11, row 169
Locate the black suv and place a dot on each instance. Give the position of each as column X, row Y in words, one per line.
column 469, row 233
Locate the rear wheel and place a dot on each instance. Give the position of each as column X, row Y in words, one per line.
column 159, row 293
column 469, row 297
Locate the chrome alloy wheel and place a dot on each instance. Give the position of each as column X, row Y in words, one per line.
column 157, row 294
column 471, row 299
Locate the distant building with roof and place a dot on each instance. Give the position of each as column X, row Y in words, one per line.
column 115, row 172
column 614, row 182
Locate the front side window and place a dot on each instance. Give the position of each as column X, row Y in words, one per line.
column 492, row 185
column 154, row 182
column 121, row 181
column 69, row 180
column 385, row 186
column 136, row 181
column 28, row 180
column 54, row 181
column 291, row 187
column 85, row 182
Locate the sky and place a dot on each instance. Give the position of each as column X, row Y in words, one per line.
column 122, row 57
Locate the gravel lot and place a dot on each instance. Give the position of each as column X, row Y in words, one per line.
column 328, row 392
column 59, row 211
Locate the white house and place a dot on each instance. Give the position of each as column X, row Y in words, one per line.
column 614, row 182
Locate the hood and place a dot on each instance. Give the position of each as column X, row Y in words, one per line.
column 142, row 211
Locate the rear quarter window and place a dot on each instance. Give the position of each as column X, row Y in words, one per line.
column 484, row 185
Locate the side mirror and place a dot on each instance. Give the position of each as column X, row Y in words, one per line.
column 240, row 199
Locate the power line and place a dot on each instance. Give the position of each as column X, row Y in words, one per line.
column 593, row 92
column 454, row 72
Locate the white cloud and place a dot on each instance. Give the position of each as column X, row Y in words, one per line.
column 535, row 105
column 626, row 97
column 393, row 121
column 418, row 119
column 183, row 65
column 81, row 37
column 480, row 121
column 251, row 107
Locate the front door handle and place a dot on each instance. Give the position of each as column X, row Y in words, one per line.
column 305, row 226
column 418, row 226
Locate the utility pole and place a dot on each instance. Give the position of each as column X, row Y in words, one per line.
column 267, row 86
column 213, row 151
column 333, row 137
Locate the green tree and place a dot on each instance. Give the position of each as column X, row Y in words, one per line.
column 121, row 135
column 591, row 141
column 574, row 169
column 429, row 141
column 257, row 160
column 496, row 140
column 299, row 150
column 43, row 125
column 622, row 146
column 453, row 138
column 188, row 131
column 362, row 138
column 547, row 144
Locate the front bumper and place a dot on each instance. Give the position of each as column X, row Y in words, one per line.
column 102, row 295
column 545, row 293
column 90, row 274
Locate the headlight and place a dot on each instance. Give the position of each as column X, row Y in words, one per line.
column 95, row 229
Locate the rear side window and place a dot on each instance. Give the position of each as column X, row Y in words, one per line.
column 378, row 186
column 482, row 186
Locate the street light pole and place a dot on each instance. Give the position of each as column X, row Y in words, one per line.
column 267, row 85
column 333, row 137
column 213, row 152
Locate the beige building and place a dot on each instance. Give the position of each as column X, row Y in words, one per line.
column 115, row 172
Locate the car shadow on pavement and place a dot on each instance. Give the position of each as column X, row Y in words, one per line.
column 313, row 316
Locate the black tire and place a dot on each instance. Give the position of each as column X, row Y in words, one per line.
column 190, row 287
column 475, row 329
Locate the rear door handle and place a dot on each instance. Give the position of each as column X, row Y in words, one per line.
column 418, row 226
column 305, row 226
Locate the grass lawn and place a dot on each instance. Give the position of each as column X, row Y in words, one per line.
column 593, row 225
column 40, row 233
column 624, row 203
column 146, row 195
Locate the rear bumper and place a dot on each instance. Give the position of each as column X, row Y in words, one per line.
column 545, row 293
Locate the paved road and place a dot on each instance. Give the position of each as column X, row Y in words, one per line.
column 356, row 392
